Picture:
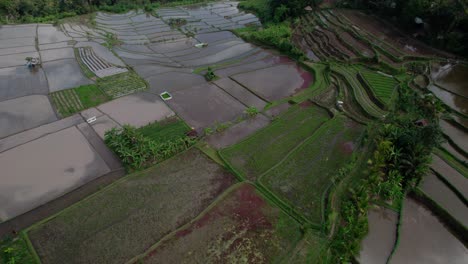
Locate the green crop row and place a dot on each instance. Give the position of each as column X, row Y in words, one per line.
column 258, row 153
column 306, row 173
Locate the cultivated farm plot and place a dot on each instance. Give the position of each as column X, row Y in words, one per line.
column 382, row 86
column 121, row 84
column 128, row 217
column 241, row 226
column 305, row 174
column 258, row 153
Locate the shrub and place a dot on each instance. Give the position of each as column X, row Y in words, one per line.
column 210, row 75
column 251, row 111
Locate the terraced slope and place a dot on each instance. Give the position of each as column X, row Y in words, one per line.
column 362, row 97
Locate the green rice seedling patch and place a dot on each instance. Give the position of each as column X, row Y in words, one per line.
column 382, row 86
column 303, row 177
column 166, row 130
column 66, row 102
column 129, row 216
column 91, row 95
column 261, row 151
column 121, row 84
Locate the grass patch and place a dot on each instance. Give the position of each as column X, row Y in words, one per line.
column 71, row 101
column 261, row 151
column 170, row 129
column 303, row 177
column 121, row 84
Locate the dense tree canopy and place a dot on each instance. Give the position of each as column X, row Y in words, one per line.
column 444, row 22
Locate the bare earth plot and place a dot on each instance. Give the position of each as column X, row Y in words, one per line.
column 131, row 215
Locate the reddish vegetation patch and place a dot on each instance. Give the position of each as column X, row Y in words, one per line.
column 347, row 147
column 243, row 208
column 307, row 77
column 306, row 104
column 278, row 60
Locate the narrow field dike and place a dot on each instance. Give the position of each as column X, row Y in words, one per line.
column 303, row 177
column 261, row 151
column 131, row 215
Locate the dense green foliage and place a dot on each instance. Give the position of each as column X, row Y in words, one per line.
column 15, row 250
column 50, row 10
column 71, row 101
column 278, row 10
column 277, row 36
column 138, row 151
column 311, row 168
column 445, row 22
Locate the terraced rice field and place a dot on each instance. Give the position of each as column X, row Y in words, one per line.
column 382, row 86
column 314, row 164
column 258, row 153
